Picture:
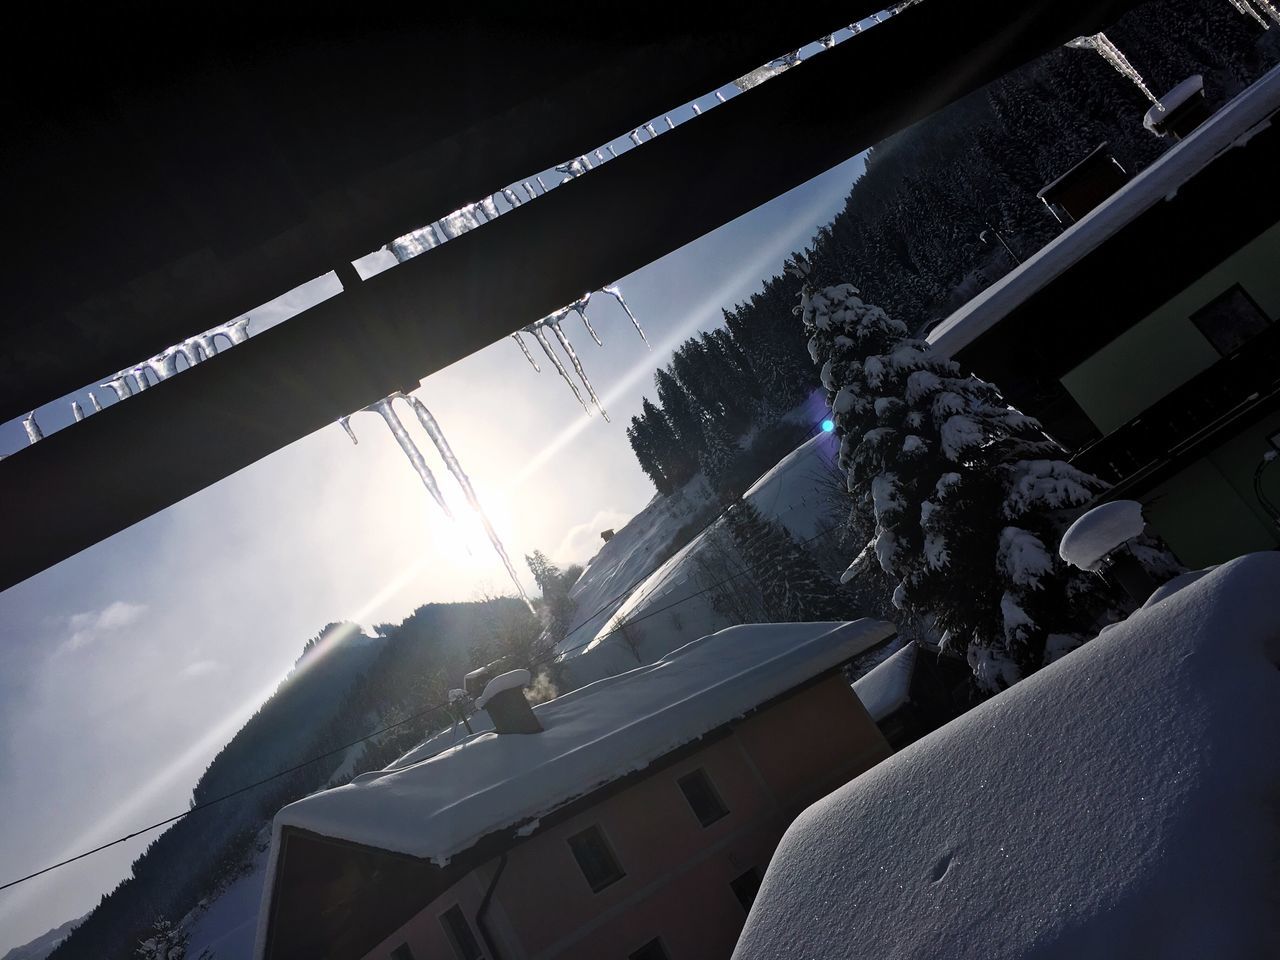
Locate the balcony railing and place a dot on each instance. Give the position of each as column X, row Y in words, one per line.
column 1183, row 421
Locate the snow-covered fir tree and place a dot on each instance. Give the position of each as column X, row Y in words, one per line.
column 164, row 942
column 968, row 496
column 718, row 456
column 793, row 589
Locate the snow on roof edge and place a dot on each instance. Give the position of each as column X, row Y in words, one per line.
column 885, row 687
column 441, row 806
column 1228, row 126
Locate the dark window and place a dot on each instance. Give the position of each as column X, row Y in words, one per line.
column 402, row 952
column 702, row 796
column 653, row 950
column 1230, row 320
column 597, row 861
column 459, row 933
column 746, row 887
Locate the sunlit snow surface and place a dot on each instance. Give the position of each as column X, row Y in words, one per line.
column 1119, row 803
column 440, row 807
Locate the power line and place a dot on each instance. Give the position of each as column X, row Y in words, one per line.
column 399, row 723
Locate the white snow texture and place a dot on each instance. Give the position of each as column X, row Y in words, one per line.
column 1101, row 530
column 1121, row 802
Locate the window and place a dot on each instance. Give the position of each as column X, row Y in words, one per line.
column 746, row 887
column 1230, row 320
column 597, row 861
column 459, row 933
column 402, row 952
column 706, row 803
column 653, row 950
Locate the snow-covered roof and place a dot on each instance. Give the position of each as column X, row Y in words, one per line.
column 441, row 806
column 1232, row 125
column 884, row 689
column 1120, row 802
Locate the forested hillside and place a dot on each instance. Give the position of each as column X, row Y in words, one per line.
column 344, row 685
column 909, row 233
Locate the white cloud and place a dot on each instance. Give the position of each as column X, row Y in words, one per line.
column 202, row 668
column 85, row 627
column 582, row 542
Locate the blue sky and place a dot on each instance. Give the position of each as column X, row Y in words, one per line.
column 123, row 669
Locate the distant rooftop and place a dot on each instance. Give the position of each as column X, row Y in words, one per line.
column 443, row 805
column 1232, row 126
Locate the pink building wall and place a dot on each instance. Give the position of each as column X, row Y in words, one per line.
column 677, row 872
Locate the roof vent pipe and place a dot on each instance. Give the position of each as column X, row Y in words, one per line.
column 503, row 699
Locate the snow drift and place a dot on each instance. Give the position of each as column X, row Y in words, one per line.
column 1122, row 802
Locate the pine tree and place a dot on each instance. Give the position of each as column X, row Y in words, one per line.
column 792, row 587
column 163, row 942
column 558, row 607
column 968, row 496
column 717, row 458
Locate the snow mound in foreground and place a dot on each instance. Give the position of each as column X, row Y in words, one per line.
column 1119, row 803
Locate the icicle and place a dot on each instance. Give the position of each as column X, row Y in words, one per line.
column 616, row 293
column 34, row 433
column 140, row 375
column 649, row 128
column 1101, row 45
column 541, row 337
column 541, row 184
column 720, row 96
column 77, row 411
column 451, row 462
column 670, row 125
column 490, row 208
column 696, row 109
column 238, row 330
column 635, row 137
column 345, row 423
column 120, row 386
column 580, row 308
column 525, row 350
column 510, row 196
column 612, row 152
column 93, row 399
column 528, row 189
column 828, row 41
column 1244, row 7
column 577, row 366
column 1270, row 9
column 599, row 156
column 385, row 410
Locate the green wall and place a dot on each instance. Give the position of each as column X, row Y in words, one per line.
column 1164, row 350
column 1208, row 513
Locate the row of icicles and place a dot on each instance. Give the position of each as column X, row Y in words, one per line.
column 385, row 409
column 1102, row 45
column 128, row 382
column 160, row 367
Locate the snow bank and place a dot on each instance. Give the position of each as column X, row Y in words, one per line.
column 1119, row 803
column 884, row 689
column 439, row 807
column 673, row 601
column 1101, row 530
column 634, row 551
column 1233, row 124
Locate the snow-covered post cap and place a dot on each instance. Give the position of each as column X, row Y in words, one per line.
column 457, row 694
column 1100, row 532
column 1096, row 542
column 511, row 680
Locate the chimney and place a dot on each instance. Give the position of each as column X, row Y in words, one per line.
column 503, row 699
